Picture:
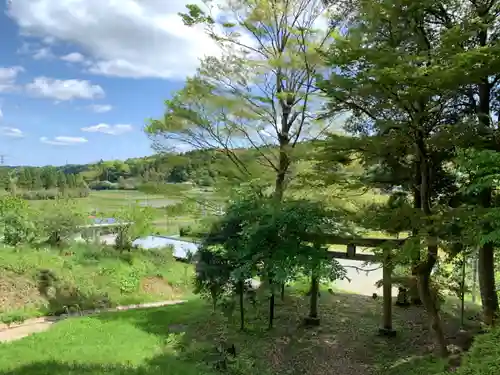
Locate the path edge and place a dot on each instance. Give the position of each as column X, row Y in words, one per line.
column 52, row 319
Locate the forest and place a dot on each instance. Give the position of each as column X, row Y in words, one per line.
column 200, row 167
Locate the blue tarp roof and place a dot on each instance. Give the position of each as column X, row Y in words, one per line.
column 107, row 220
column 181, row 248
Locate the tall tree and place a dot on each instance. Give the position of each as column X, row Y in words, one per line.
column 386, row 72
column 260, row 91
column 483, row 26
column 471, row 32
column 49, row 177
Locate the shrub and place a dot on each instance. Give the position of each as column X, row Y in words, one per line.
column 185, row 231
column 140, row 221
column 51, row 194
column 85, row 277
column 483, row 357
column 16, row 219
column 59, row 220
column 103, row 185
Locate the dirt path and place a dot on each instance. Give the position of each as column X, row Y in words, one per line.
column 11, row 332
column 361, row 282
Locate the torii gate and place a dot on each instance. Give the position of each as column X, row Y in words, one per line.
column 387, row 267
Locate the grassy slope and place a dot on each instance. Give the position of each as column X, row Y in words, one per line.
column 181, row 340
column 88, row 277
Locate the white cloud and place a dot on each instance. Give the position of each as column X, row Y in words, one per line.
column 8, row 76
column 64, row 89
column 63, row 141
column 126, row 38
column 100, row 108
column 49, row 40
column 37, row 50
column 43, row 53
column 74, row 57
column 108, row 129
column 7, row 131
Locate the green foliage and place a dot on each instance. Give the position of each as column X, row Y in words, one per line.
column 85, row 277
column 54, row 194
column 138, row 221
column 17, row 221
column 484, row 356
column 103, row 185
column 262, row 237
column 213, row 273
column 59, row 221
column 479, row 174
column 155, row 174
column 259, row 93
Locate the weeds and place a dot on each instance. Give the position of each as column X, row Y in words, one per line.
column 87, row 277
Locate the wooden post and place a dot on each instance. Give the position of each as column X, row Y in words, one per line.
column 387, row 329
column 351, row 250
column 95, row 235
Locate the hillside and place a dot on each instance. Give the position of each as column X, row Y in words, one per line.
column 200, row 167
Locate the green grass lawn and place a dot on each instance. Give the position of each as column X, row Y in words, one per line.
column 181, row 339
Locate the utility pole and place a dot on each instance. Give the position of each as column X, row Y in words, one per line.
column 2, row 159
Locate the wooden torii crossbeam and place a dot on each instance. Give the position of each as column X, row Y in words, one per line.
column 387, row 267
column 351, row 244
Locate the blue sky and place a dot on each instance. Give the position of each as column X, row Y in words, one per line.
column 79, row 78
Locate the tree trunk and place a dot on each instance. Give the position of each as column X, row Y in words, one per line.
column 430, row 305
column 213, row 294
column 462, row 291
column 271, row 310
column 417, row 203
column 312, row 320
column 486, row 256
column 280, row 182
column 425, row 267
column 387, row 292
column 487, row 285
column 474, row 277
column 242, row 305
column 313, row 308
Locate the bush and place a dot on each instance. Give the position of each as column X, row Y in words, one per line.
column 185, row 231
column 59, row 220
column 85, row 277
column 103, row 185
column 16, row 219
column 51, row 194
column 199, row 229
column 140, row 221
column 483, row 357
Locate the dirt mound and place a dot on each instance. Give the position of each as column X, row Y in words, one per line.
column 17, row 291
column 158, row 286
